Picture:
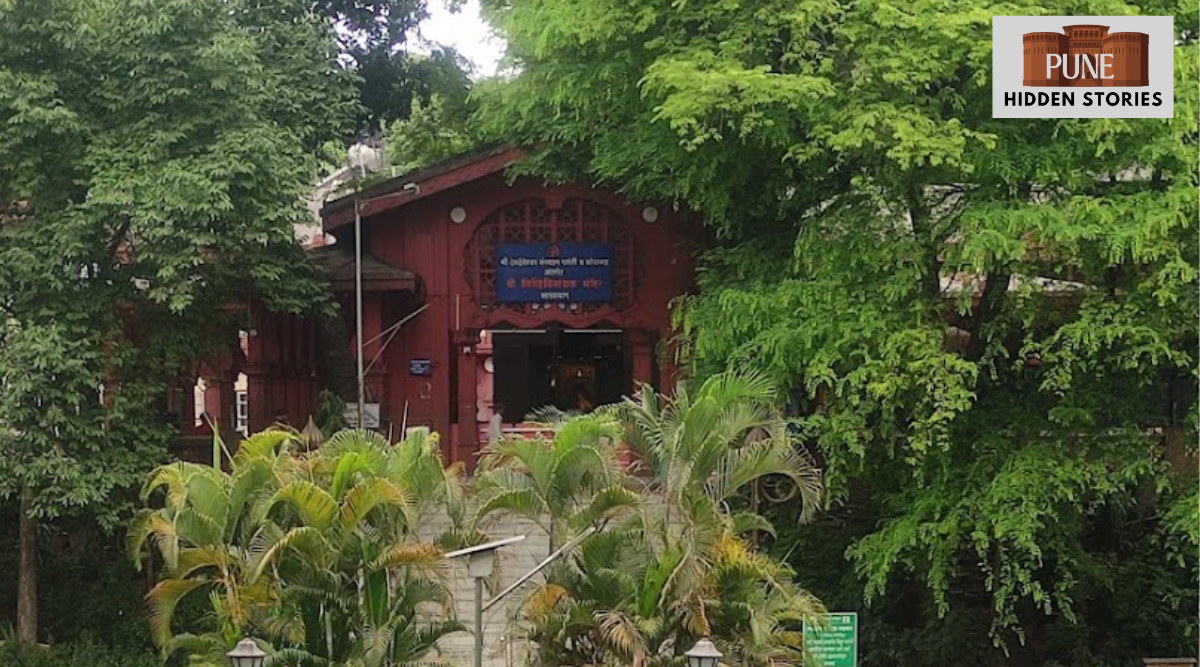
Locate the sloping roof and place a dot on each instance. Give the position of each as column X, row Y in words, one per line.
column 402, row 190
column 337, row 263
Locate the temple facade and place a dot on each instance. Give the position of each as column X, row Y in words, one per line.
column 484, row 299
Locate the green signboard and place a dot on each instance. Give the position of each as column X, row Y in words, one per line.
column 836, row 644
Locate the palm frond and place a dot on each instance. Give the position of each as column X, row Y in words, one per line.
column 193, row 559
column 140, row 528
column 264, row 446
column 741, row 466
column 421, row 556
column 746, row 522
column 369, row 494
column 162, row 601
column 315, row 505
column 622, row 634
column 295, row 657
column 270, row 542
column 542, row 601
column 607, row 503
column 522, row 502
column 352, row 466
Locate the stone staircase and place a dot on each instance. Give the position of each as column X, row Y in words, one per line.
column 503, row 645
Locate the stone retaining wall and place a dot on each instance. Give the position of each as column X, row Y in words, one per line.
column 503, row 645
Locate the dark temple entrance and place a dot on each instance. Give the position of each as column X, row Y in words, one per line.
column 570, row 369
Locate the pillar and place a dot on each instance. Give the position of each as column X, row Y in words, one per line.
column 642, row 343
column 466, row 447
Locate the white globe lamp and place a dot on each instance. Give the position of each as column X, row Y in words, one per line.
column 704, row 654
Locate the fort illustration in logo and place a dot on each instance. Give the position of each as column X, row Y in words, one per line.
column 1086, row 56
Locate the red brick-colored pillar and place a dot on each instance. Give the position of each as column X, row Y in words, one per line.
column 466, row 447
column 643, row 357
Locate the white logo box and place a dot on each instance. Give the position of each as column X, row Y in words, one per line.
column 1011, row 98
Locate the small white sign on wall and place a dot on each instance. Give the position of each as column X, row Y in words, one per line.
column 370, row 415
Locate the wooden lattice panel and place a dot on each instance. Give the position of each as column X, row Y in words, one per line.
column 530, row 221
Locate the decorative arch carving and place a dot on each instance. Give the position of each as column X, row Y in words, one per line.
column 532, row 221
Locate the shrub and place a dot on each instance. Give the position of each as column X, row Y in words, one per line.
column 314, row 552
column 82, row 653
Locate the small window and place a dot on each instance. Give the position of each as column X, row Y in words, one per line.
column 242, row 416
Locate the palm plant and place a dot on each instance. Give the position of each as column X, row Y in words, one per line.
column 680, row 569
column 615, row 603
column 200, row 532
column 704, row 446
column 360, row 573
column 563, row 485
column 605, row 606
column 754, row 607
column 316, row 552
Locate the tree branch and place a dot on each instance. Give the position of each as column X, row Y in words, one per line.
column 991, row 301
column 922, row 226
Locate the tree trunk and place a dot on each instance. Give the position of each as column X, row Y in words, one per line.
column 27, row 584
column 922, row 224
column 335, row 365
column 991, row 301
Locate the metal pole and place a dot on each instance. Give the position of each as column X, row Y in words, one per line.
column 478, row 621
column 358, row 306
column 540, row 566
column 393, row 330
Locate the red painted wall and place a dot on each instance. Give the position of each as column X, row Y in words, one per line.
column 421, row 237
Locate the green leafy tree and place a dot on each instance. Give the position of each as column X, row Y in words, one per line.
column 978, row 321
column 434, row 130
column 153, row 157
column 374, row 41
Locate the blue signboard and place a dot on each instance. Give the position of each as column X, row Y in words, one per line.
column 553, row 272
column 420, row 367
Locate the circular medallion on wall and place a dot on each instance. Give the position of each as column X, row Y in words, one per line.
column 650, row 214
column 458, row 215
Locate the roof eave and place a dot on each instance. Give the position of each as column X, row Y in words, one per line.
column 403, row 190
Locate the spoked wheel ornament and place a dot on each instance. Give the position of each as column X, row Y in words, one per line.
column 778, row 488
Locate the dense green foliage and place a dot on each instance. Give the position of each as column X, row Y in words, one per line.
column 76, row 654
column 153, row 159
column 149, row 192
column 374, row 40
column 672, row 561
column 315, row 552
column 435, row 130
column 978, row 320
column 97, row 595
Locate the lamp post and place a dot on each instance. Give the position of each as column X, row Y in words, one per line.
column 479, row 567
column 704, row 654
column 246, row 654
column 358, row 291
column 363, row 158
